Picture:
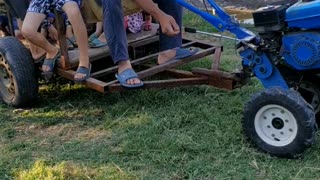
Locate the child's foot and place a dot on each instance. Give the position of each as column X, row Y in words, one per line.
column 73, row 41
column 94, row 41
column 147, row 24
column 82, row 74
column 49, row 62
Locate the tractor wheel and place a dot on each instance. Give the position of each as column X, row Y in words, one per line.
column 18, row 82
column 310, row 91
column 279, row 122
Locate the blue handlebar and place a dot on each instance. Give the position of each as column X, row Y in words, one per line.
column 222, row 22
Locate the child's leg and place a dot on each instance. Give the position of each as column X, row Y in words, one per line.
column 99, row 29
column 80, row 31
column 30, row 27
column 147, row 21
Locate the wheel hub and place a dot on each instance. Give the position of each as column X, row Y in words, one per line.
column 276, row 125
column 6, row 77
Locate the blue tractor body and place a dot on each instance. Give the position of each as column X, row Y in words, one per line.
column 301, row 45
column 304, row 15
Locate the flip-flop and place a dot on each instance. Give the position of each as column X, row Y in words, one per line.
column 73, row 41
column 184, row 53
column 70, row 45
column 127, row 74
column 41, row 58
column 94, row 42
column 51, row 64
column 83, row 70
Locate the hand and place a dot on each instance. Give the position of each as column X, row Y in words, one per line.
column 53, row 33
column 169, row 25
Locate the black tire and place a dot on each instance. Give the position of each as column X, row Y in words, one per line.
column 18, row 81
column 279, row 122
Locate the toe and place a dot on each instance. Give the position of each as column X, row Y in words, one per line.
column 137, row 81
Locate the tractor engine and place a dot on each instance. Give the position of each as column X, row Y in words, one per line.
column 291, row 33
column 291, row 37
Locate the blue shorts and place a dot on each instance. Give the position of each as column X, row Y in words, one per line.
column 46, row 6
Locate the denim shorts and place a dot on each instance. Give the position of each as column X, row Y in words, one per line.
column 46, row 6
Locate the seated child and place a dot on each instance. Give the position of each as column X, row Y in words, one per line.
column 37, row 12
column 138, row 22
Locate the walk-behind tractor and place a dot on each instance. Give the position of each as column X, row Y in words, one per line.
column 284, row 55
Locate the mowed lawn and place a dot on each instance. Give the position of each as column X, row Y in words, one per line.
column 181, row 133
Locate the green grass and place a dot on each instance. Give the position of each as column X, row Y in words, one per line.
column 181, row 133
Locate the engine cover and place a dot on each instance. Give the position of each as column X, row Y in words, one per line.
column 304, row 14
column 302, row 50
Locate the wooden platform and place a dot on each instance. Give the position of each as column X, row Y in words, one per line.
column 143, row 49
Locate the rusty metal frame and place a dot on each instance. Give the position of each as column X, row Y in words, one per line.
column 197, row 76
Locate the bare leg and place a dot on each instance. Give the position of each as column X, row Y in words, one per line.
column 99, row 29
column 29, row 30
column 80, row 32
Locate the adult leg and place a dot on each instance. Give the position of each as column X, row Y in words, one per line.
column 169, row 44
column 113, row 25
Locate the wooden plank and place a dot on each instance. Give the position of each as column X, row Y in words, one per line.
column 175, row 63
column 133, row 63
column 90, row 82
column 115, row 68
column 216, row 59
column 175, row 72
column 64, row 62
column 165, row 83
column 215, row 74
column 133, row 37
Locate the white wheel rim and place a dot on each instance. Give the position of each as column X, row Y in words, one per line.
column 276, row 125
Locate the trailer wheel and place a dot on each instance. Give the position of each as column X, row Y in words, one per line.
column 279, row 122
column 18, row 82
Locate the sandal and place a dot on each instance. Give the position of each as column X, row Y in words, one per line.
column 94, row 42
column 83, row 70
column 40, row 59
column 73, row 41
column 70, row 45
column 127, row 74
column 51, row 62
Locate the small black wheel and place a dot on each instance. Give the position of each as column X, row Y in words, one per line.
column 279, row 122
column 18, row 81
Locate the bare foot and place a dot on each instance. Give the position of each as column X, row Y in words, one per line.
column 165, row 56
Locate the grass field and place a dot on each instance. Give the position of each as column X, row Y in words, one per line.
column 181, row 133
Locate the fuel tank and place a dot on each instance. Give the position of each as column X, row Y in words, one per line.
column 304, row 14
